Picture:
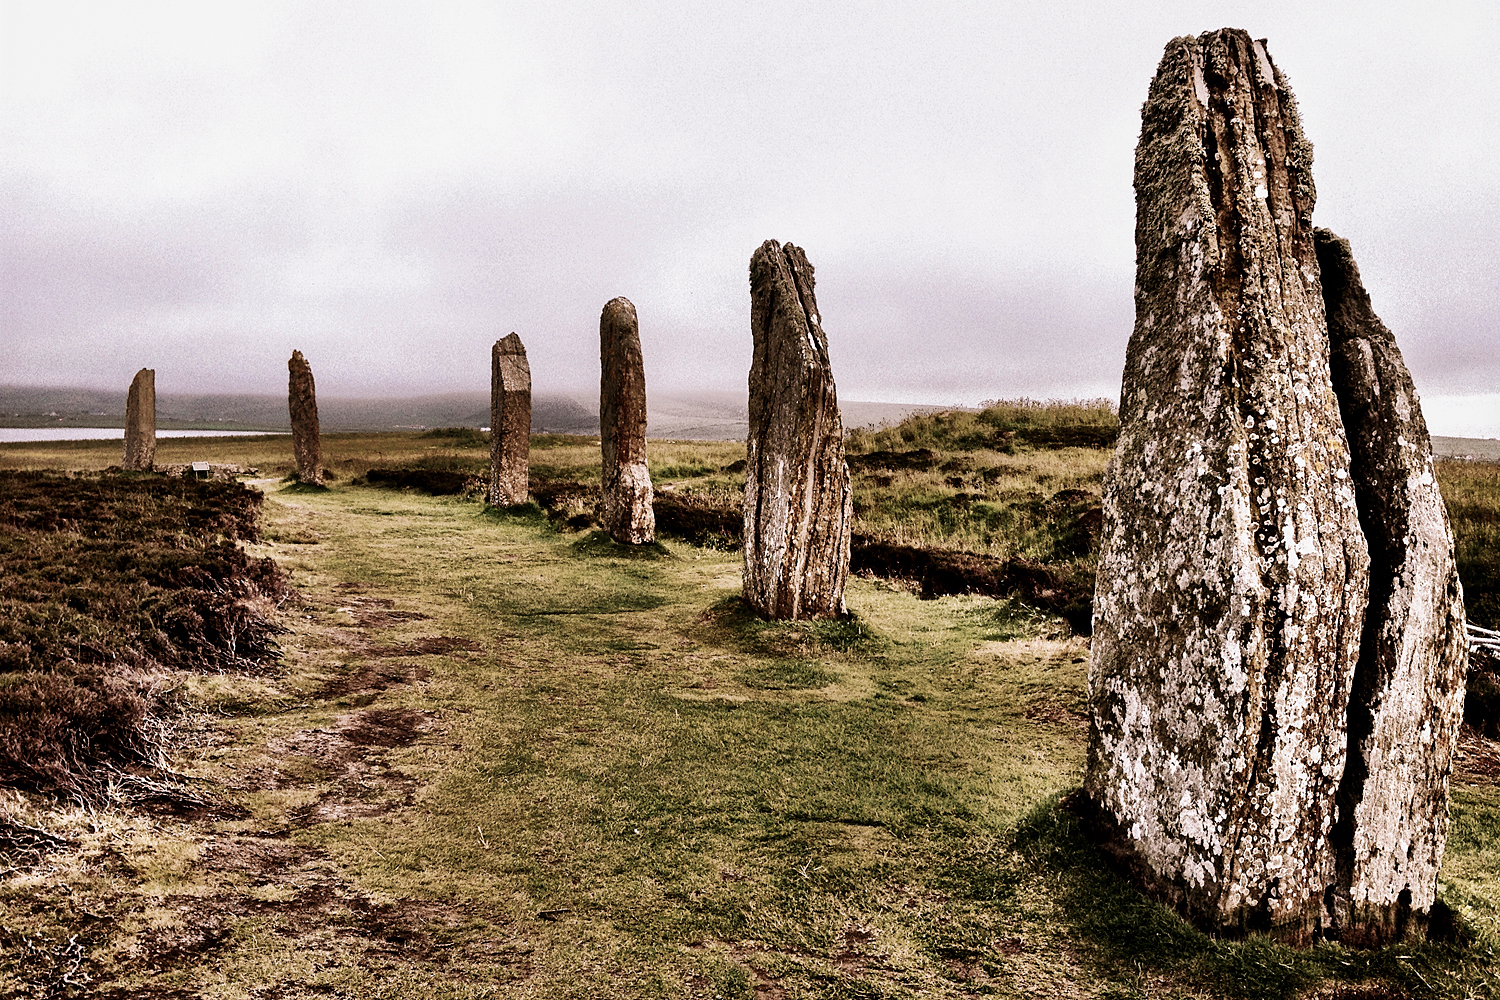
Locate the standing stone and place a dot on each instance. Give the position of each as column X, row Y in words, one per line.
column 302, row 402
column 1407, row 701
column 798, row 504
column 628, row 516
column 1232, row 575
column 510, row 423
column 140, row 421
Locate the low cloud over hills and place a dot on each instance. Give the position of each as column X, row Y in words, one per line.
column 702, row 415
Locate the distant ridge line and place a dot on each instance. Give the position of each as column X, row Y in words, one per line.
column 709, row 415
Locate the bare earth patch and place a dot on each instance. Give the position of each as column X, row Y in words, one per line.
column 139, row 946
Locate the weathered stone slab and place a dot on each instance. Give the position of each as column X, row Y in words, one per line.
column 1407, row 701
column 1232, row 575
column 302, row 403
column 510, row 423
column 627, row 512
column 798, row 504
column 140, row 421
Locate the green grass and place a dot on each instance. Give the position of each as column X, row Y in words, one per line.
column 631, row 787
column 986, row 502
column 635, row 788
column 1472, row 493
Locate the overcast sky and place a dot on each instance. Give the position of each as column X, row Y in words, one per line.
column 202, row 187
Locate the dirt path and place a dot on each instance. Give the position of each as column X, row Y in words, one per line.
column 174, row 897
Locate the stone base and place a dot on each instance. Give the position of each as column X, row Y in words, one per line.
column 1326, row 919
column 627, row 512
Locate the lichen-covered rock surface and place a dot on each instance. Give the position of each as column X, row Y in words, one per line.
column 1232, row 576
column 627, row 512
column 302, row 404
column 798, row 502
column 140, row 421
column 510, row 422
column 1407, row 701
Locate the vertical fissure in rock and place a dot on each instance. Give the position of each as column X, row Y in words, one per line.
column 1217, row 742
column 625, row 476
column 302, row 407
column 1406, row 701
column 1277, row 671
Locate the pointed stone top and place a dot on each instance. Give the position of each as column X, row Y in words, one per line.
column 1344, row 293
column 784, row 271
column 297, row 359
column 620, row 304
column 145, row 371
column 510, row 344
column 789, row 254
column 1223, row 162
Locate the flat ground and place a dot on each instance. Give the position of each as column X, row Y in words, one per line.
column 500, row 760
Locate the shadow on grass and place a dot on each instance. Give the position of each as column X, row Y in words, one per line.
column 598, row 544
column 1009, row 618
column 1142, row 940
column 294, row 485
column 786, row 675
column 529, row 512
column 850, row 634
column 603, row 603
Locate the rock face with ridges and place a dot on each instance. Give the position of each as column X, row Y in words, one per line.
column 302, row 402
column 1408, row 693
column 798, row 503
column 510, row 422
column 628, row 516
column 1232, row 575
column 140, row 421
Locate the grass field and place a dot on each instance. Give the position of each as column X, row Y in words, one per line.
column 1472, row 492
column 502, row 760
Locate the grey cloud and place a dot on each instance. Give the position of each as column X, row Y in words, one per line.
column 960, row 178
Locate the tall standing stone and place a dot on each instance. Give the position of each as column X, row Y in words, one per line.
column 510, row 423
column 628, row 516
column 302, row 403
column 140, row 421
column 798, row 504
column 1232, row 575
column 1408, row 693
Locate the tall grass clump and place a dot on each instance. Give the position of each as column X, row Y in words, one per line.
column 1016, row 480
column 108, row 583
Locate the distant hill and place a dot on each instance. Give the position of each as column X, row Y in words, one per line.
column 1477, row 449
column 721, row 416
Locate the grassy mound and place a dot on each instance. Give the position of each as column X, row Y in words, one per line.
column 1002, row 425
column 110, row 582
column 457, row 437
